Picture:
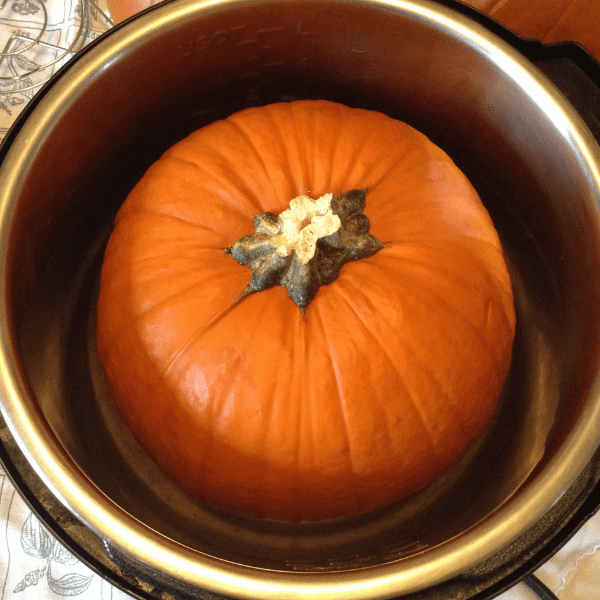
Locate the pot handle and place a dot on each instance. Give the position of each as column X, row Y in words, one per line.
column 572, row 69
column 576, row 74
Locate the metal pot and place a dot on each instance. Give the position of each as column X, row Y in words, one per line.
column 88, row 137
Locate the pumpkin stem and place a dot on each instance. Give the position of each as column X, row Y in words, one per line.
column 306, row 245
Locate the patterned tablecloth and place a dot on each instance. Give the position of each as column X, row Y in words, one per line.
column 36, row 37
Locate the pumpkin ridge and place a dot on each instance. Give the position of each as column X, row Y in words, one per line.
column 468, row 250
column 133, row 322
column 313, row 442
column 348, row 161
column 365, row 148
column 448, row 244
column 168, row 216
column 170, row 248
column 260, row 159
column 397, row 165
column 299, row 332
column 157, row 306
column 306, row 161
column 366, row 133
column 305, row 405
column 444, row 392
column 175, row 156
column 272, row 117
column 202, row 329
column 429, row 292
column 399, row 373
column 233, row 374
column 425, row 366
column 176, row 253
column 317, row 128
column 271, row 424
column 473, row 326
column 233, row 186
column 219, row 403
column 343, row 411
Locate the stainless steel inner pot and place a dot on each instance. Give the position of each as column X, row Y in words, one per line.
column 95, row 130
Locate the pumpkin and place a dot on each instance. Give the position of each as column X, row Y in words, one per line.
column 382, row 373
column 120, row 10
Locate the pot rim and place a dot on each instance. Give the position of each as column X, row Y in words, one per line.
column 111, row 523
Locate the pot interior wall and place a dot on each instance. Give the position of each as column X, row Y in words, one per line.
column 205, row 65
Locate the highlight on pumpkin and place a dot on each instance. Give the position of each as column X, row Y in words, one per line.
column 387, row 377
column 306, row 245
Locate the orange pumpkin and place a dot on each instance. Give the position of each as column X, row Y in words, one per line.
column 123, row 9
column 379, row 385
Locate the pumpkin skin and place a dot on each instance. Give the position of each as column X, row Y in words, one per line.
column 120, row 10
column 389, row 377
